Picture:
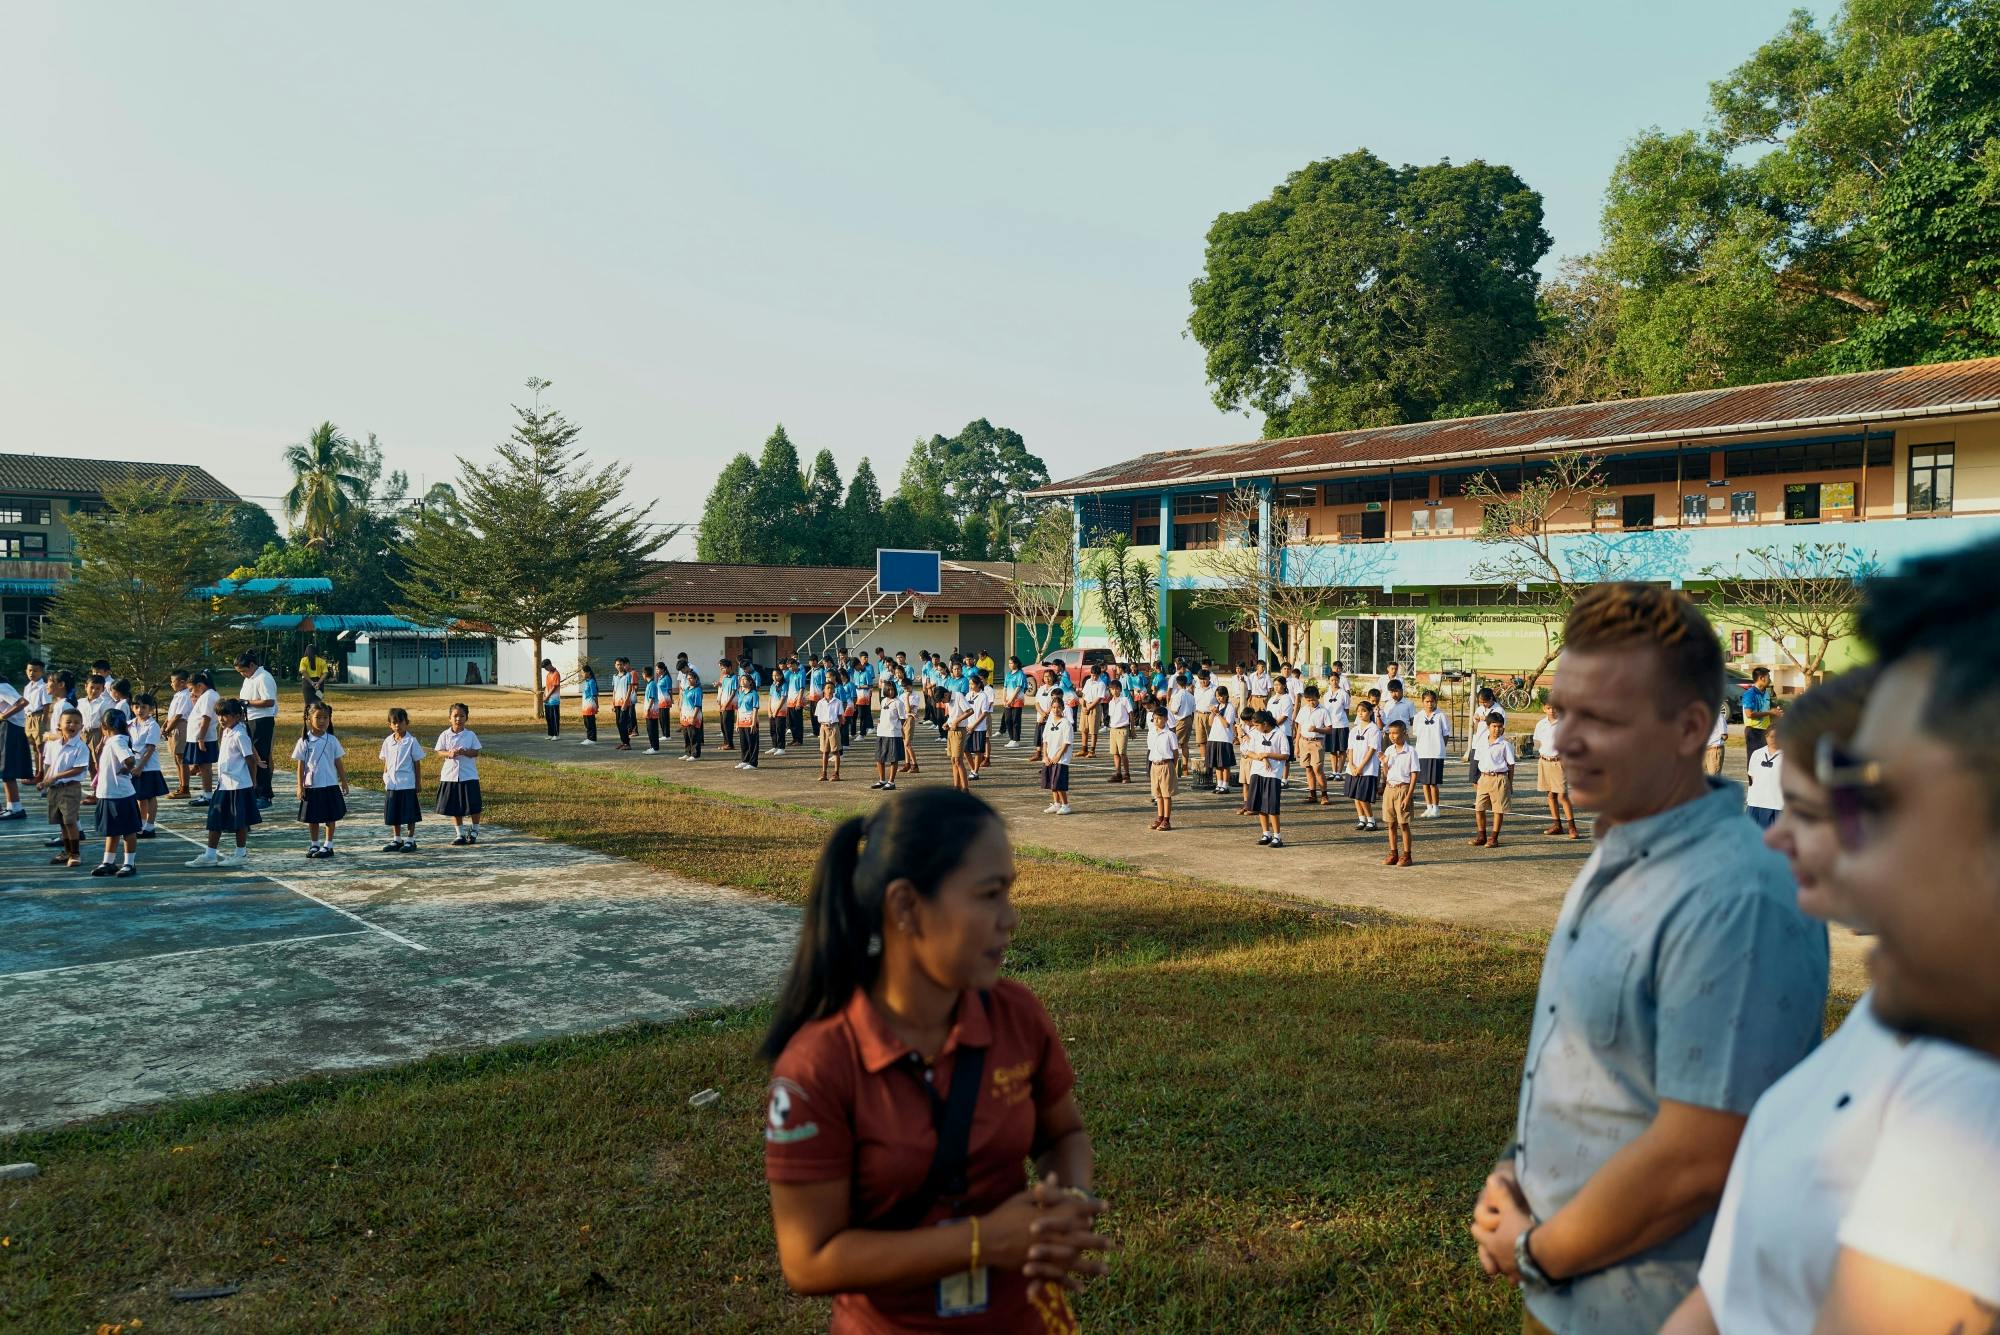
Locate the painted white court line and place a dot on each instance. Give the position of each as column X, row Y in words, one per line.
column 401, row 940
column 172, row 954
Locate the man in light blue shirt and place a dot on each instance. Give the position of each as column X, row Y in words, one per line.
column 1680, row 983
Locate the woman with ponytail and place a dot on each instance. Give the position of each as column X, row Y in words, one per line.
column 912, row 1085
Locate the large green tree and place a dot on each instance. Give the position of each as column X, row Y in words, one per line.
column 131, row 598
column 861, row 516
column 1361, row 294
column 826, row 540
column 965, row 475
column 326, row 484
column 540, row 538
column 1837, row 212
column 726, row 529
column 778, row 504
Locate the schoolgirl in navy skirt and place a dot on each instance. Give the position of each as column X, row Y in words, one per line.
column 458, row 776
column 233, row 808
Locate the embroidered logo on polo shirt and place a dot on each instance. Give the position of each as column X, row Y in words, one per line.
column 1011, row 1084
column 787, row 1102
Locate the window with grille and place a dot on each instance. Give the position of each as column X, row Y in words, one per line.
column 690, row 618
column 1358, row 492
column 1817, row 456
column 17, row 546
column 1930, row 479
column 931, row 619
column 1197, row 504
column 758, row 618
column 19, row 510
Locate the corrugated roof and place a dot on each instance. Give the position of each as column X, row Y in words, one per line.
column 86, row 479
column 676, row 584
column 1947, row 388
column 222, row 588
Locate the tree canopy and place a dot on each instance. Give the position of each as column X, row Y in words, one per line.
column 1840, row 211
column 130, row 597
column 963, row 495
column 1361, row 294
column 539, row 537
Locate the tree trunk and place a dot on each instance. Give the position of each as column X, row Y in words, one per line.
column 535, row 677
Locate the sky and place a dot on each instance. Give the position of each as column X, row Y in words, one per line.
column 223, row 224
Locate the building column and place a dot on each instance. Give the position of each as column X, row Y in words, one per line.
column 1263, row 564
column 1165, row 629
column 1076, row 570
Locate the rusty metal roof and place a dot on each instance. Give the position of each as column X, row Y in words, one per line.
column 669, row 585
column 1943, row 389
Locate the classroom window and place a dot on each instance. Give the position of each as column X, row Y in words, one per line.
column 17, row 625
column 1198, row 504
column 1146, row 533
column 1411, row 487
column 23, row 510
column 17, row 546
column 1196, row 535
column 1817, row 456
column 1930, row 479
column 1358, row 492
column 1295, row 498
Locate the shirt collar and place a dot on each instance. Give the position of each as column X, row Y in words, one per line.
column 1675, row 826
column 881, row 1049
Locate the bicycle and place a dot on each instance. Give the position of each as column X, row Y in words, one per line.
column 1517, row 698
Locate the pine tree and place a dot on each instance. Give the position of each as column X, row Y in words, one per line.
column 778, row 504
column 725, row 520
column 539, row 539
column 861, row 517
column 826, row 541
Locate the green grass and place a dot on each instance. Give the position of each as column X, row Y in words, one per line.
column 1292, row 1108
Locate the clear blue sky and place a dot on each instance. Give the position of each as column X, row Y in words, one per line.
column 224, row 223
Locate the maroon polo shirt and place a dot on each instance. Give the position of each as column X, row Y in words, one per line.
column 845, row 1106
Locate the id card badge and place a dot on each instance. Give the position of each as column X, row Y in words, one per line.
column 962, row 1292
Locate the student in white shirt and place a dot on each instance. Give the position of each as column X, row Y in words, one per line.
column 18, row 761
column 173, row 733
column 1315, row 722
column 826, row 726
column 65, row 769
column 1057, row 740
column 1398, row 708
column 1163, row 749
column 1549, row 776
column 1221, row 739
column 1280, row 710
column 458, row 775
column 1180, row 716
column 1204, row 722
column 979, row 704
column 233, row 809
column 117, row 808
column 322, row 778
column 1718, row 738
column 1340, row 703
column 203, row 735
column 888, row 734
column 1495, row 758
column 1399, row 777
column 1364, row 766
column 259, row 694
column 1118, row 723
column 1259, row 686
column 1766, row 797
column 1431, row 731
column 402, row 756
column 35, row 720
column 149, row 784
column 1090, row 713
column 1267, row 749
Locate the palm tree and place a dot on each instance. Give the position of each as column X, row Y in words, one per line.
column 326, row 488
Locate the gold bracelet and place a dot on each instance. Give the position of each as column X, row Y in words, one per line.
column 974, row 1267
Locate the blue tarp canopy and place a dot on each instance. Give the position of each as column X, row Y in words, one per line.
column 328, row 623
column 222, row 588
column 27, row 586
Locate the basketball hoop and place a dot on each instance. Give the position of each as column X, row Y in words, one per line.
column 917, row 603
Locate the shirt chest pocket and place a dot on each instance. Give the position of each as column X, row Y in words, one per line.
column 1598, row 995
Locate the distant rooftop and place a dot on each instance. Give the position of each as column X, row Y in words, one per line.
column 1834, row 401
column 86, row 479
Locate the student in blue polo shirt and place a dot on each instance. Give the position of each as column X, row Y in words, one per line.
column 863, row 677
column 746, row 718
column 655, row 679
column 691, row 716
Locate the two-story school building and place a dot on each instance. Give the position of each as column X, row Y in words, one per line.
column 38, row 494
column 1888, row 463
column 710, row 611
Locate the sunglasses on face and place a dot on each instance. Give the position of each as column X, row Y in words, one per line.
column 1851, row 785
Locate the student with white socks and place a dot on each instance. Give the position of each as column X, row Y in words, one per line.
column 1430, row 732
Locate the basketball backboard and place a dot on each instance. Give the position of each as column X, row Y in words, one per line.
column 904, row 569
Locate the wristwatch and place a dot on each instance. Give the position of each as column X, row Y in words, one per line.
column 1532, row 1275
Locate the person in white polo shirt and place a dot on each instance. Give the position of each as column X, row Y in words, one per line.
column 1549, row 776
column 259, row 694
